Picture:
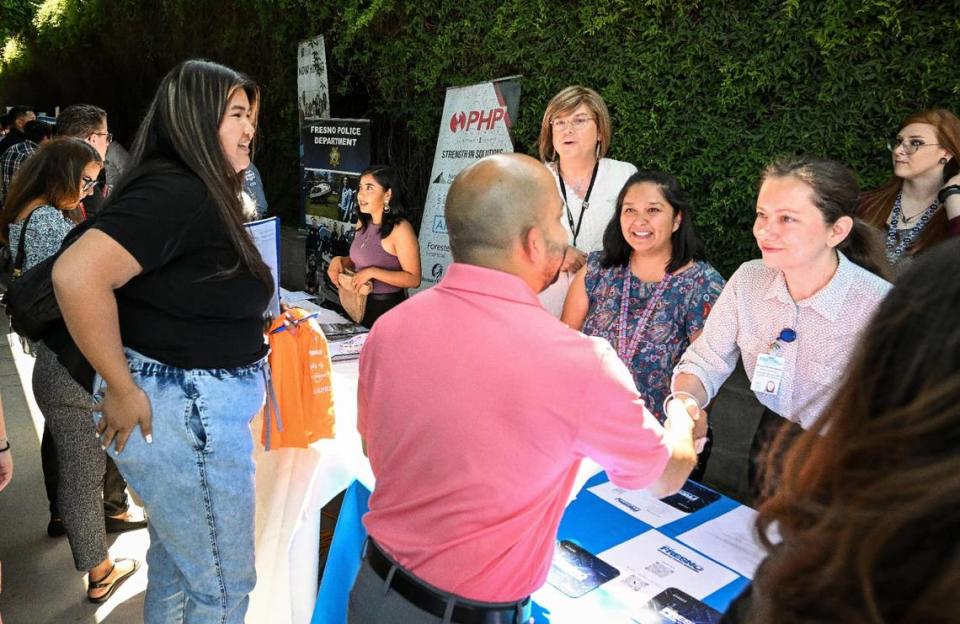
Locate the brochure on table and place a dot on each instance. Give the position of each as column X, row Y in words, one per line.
column 653, row 562
column 731, row 539
column 704, row 556
column 638, row 503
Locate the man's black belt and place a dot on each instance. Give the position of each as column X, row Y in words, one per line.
column 434, row 602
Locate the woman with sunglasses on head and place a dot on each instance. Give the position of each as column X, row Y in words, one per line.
column 385, row 251
column 575, row 135
column 47, row 187
column 920, row 205
column 795, row 316
column 165, row 296
column 649, row 291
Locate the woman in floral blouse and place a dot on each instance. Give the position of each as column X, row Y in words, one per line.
column 649, row 291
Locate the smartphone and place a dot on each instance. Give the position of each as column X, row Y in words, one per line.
column 691, row 497
column 574, row 571
column 673, row 606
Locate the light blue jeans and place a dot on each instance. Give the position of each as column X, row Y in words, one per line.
column 196, row 481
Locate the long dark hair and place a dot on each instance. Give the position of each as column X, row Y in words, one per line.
column 182, row 125
column 53, row 174
column 387, row 177
column 835, row 194
column 876, row 205
column 685, row 243
column 868, row 503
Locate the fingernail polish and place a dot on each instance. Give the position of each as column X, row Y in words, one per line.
column 149, row 438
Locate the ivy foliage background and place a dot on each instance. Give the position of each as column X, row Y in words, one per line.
column 710, row 91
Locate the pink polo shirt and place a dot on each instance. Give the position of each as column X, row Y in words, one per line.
column 477, row 405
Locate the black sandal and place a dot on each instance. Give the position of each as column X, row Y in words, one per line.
column 113, row 585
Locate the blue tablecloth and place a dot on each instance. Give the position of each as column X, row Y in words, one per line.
column 589, row 521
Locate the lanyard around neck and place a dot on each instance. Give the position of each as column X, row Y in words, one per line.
column 624, row 349
column 583, row 207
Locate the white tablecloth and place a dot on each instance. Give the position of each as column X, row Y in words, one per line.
column 292, row 487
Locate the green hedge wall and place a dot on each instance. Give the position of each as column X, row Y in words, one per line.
column 709, row 91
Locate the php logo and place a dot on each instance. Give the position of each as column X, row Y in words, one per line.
column 437, row 272
column 440, row 224
column 477, row 120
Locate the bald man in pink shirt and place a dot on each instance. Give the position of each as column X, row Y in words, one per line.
column 476, row 406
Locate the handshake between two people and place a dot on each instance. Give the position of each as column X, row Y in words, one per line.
column 685, row 431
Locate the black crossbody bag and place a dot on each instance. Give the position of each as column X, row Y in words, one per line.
column 34, row 312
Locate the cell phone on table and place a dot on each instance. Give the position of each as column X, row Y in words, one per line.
column 691, row 497
column 575, row 571
column 673, row 606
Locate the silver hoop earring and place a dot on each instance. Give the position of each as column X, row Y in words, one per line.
column 943, row 161
column 386, row 207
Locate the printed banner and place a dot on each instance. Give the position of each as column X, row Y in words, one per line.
column 336, row 145
column 313, row 99
column 476, row 122
column 335, row 151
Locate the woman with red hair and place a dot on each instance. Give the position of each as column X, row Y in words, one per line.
column 920, row 205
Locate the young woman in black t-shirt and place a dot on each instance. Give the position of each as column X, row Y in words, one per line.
column 165, row 296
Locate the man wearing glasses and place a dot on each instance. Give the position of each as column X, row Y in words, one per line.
column 88, row 122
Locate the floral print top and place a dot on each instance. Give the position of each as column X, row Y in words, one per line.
column 679, row 314
column 45, row 232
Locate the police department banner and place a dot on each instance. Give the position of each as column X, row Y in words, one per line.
column 476, row 122
column 335, row 151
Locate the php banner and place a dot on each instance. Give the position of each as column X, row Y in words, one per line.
column 476, row 122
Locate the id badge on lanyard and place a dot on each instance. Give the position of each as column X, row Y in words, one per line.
column 768, row 374
column 769, row 371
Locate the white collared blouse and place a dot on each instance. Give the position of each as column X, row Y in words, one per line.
column 755, row 306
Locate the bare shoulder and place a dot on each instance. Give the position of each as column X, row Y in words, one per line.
column 402, row 229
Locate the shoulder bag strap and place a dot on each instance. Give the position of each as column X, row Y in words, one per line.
column 21, row 256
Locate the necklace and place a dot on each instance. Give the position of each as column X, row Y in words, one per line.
column 897, row 241
column 907, row 219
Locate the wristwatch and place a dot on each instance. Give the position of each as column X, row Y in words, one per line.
column 947, row 191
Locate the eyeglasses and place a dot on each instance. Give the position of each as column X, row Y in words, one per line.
column 577, row 123
column 909, row 146
column 88, row 184
column 109, row 135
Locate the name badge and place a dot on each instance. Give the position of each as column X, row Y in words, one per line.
column 768, row 375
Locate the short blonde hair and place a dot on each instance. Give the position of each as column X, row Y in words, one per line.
column 564, row 103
